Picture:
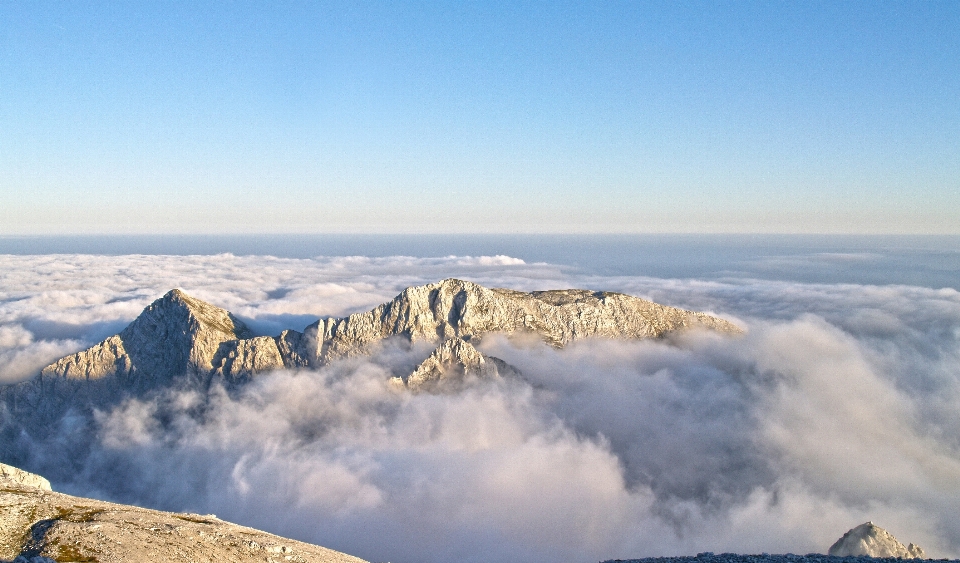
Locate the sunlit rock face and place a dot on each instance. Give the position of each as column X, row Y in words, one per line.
column 175, row 335
column 37, row 524
column 873, row 541
column 16, row 476
column 179, row 335
column 455, row 308
column 453, row 363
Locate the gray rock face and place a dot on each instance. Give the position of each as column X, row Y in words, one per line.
column 238, row 360
column 175, row 335
column 873, row 541
column 454, row 308
column 10, row 474
column 36, row 523
column 453, row 362
column 179, row 335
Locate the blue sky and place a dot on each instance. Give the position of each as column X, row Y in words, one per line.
column 241, row 117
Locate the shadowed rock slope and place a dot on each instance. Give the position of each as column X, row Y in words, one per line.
column 179, row 335
column 37, row 524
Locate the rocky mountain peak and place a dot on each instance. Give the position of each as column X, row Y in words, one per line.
column 455, row 308
column 873, row 541
column 174, row 335
column 179, row 334
column 449, row 365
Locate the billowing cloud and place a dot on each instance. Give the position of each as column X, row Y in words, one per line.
column 839, row 405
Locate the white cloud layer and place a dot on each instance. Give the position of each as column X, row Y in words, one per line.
column 840, row 405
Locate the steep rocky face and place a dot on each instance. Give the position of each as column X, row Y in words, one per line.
column 873, row 541
column 175, row 335
column 238, row 360
column 179, row 335
column 452, row 362
column 37, row 523
column 460, row 309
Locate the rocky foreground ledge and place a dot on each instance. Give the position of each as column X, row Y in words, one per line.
column 38, row 525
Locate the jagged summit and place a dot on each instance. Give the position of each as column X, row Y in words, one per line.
column 178, row 334
column 873, row 541
column 455, row 308
column 450, row 364
column 175, row 335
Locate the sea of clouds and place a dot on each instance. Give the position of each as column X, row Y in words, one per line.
column 841, row 404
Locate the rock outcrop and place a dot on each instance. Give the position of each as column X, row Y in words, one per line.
column 178, row 334
column 16, row 476
column 452, row 363
column 175, row 335
column 873, row 541
column 37, row 524
column 460, row 309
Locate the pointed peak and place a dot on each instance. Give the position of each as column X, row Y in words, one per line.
column 210, row 316
column 175, row 293
column 178, row 295
column 181, row 297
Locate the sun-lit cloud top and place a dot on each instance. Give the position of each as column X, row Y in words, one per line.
column 479, row 117
column 840, row 404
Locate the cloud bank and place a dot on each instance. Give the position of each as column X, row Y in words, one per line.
column 840, row 405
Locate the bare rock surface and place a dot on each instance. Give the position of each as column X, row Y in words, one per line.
column 174, row 335
column 237, row 360
column 10, row 474
column 37, row 525
column 453, row 361
column 455, row 308
column 873, row 541
column 179, row 335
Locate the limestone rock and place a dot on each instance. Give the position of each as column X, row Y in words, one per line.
column 454, row 308
column 292, row 349
column 11, row 474
column 178, row 335
column 36, row 523
column 451, row 363
column 175, row 335
column 873, row 541
column 238, row 360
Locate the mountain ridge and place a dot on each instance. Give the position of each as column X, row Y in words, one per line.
column 181, row 335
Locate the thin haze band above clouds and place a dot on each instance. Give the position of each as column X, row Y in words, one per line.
column 838, row 406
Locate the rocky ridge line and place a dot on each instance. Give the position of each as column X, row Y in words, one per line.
column 178, row 334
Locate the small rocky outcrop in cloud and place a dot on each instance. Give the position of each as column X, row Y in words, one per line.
column 178, row 335
column 37, row 524
column 873, row 541
column 452, row 363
